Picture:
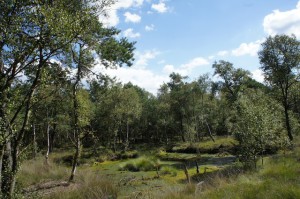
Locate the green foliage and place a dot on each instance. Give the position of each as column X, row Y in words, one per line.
column 234, row 79
column 258, row 126
column 280, row 60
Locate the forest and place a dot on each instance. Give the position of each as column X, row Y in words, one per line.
column 68, row 132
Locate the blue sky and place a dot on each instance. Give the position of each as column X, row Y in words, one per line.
column 187, row 36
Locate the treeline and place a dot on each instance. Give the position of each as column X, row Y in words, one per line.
column 118, row 116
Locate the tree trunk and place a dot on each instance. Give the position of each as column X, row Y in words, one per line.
column 127, row 137
column 34, row 142
column 76, row 119
column 48, row 144
column 287, row 122
column 75, row 158
column 6, row 171
column 1, row 162
column 197, row 167
column 52, row 137
column 186, row 172
column 182, row 130
column 210, row 134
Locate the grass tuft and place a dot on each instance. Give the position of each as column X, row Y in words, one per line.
column 141, row 164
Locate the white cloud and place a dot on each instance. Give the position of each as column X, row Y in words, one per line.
column 247, row 49
column 138, row 74
column 186, row 69
column 283, row 22
column 168, row 69
column 110, row 16
column 258, row 75
column 129, row 33
column 149, row 28
column 143, row 58
column 134, row 18
column 223, row 53
column 160, row 7
column 198, row 61
column 141, row 77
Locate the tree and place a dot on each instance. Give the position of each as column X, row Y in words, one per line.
column 110, row 51
column 258, row 126
column 33, row 36
column 233, row 78
column 280, row 61
column 178, row 102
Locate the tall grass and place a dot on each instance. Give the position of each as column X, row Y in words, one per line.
column 35, row 174
column 88, row 185
column 37, row 171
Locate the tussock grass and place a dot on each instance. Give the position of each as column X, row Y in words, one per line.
column 141, row 164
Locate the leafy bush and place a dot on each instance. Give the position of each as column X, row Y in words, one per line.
column 258, row 127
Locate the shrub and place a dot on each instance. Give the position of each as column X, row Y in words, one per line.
column 258, row 126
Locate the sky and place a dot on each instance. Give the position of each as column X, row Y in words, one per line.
column 188, row 36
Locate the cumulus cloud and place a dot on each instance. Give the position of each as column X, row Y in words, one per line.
column 168, row 69
column 131, row 34
column 160, row 7
column 145, row 57
column 138, row 74
column 247, row 49
column 258, row 75
column 198, row 61
column 111, row 17
column 142, row 77
column 186, row 69
column 283, row 22
column 223, row 53
column 145, row 78
column 211, row 57
column 149, row 28
column 134, row 18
